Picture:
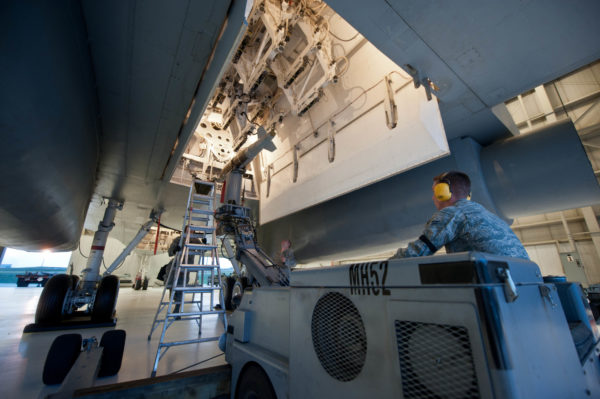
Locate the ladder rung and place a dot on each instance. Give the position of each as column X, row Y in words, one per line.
column 199, row 235
column 204, row 182
column 202, row 198
column 196, row 289
column 197, row 314
column 184, row 302
column 190, row 341
column 202, row 211
column 204, row 247
column 198, row 218
column 191, row 267
column 201, row 252
column 200, row 228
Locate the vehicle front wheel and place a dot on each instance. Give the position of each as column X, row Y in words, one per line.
column 254, row 383
column 238, row 291
column 227, row 283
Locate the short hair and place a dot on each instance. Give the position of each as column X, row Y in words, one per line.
column 459, row 182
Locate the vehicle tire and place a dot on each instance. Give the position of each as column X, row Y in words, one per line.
column 238, row 291
column 113, row 343
column 21, row 282
column 74, row 281
column 138, row 284
column 145, row 283
column 227, row 288
column 254, row 383
column 62, row 355
column 50, row 305
column 106, row 299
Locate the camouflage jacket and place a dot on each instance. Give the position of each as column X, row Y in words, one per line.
column 465, row 226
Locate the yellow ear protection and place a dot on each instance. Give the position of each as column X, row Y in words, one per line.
column 442, row 190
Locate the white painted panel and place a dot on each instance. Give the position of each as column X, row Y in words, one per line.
column 589, row 258
column 366, row 150
column 547, row 258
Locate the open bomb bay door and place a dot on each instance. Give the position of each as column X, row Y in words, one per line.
column 343, row 114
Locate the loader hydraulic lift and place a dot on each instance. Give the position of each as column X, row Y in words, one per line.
column 235, row 219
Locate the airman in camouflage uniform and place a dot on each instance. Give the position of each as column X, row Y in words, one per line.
column 463, row 225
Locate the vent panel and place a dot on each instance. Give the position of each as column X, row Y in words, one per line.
column 339, row 337
column 436, row 361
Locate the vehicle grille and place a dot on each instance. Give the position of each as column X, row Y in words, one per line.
column 338, row 335
column 436, row 361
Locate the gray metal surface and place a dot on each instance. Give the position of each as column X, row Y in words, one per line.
column 91, row 273
column 271, row 344
column 144, row 230
column 49, row 124
column 424, row 338
column 540, row 172
column 95, row 97
column 479, row 53
column 548, row 169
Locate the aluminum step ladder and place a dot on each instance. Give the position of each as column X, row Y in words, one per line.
column 196, row 273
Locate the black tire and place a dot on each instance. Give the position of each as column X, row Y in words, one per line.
column 106, row 299
column 145, row 283
column 50, row 305
column 62, row 355
column 74, row 281
column 113, row 343
column 238, row 291
column 227, row 288
column 254, row 383
column 138, row 284
column 21, row 282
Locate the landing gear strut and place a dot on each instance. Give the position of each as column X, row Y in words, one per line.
column 90, row 301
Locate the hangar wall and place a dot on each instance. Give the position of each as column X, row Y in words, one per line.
column 575, row 97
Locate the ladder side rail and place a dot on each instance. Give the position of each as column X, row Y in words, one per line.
column 161, row 306
column 166, row 323
column 192, row 258
column 188, row 214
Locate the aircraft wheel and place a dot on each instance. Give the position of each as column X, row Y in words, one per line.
column 62, row 355
column 50, row 305
column 106, row 299
column 113, row 342
column 238, row 291
column 145, row 283
column 138, row 284
column 254, row 383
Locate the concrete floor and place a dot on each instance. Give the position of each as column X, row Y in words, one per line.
column 22, row 356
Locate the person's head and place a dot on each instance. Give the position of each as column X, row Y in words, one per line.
column 286, row 244
column 450, row 187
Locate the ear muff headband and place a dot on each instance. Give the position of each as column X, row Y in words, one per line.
column 442, row 191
